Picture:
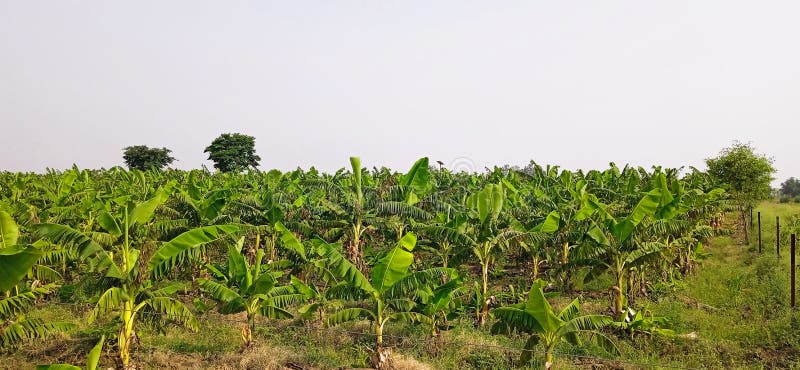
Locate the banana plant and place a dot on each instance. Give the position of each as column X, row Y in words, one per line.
column 132, row 293
column 564, row 231
column 549, row 328
column 387, row 291
column 643, row 321
column 439, row 305
column 251, row 289
column 617, row 248
column 444, row 236
column 488, row 233
column 18, row 300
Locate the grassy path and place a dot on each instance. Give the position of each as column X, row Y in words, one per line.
column 736, row 305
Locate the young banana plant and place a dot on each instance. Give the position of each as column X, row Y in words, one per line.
column 488, row 234
column 251, row 289
column 617, row 248
column 547, row 327
column 134, row 292
column 388, row 290
column 439, row 305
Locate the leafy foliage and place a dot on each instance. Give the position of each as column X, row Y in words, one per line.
column 143, row 158
column 233, row 152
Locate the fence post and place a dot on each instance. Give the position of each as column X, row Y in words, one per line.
column 778, row 235
column 759, row 232
column 791, row 273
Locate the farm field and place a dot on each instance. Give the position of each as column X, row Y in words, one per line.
column 624, row 268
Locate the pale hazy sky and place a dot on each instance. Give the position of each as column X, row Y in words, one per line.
column 573, row 83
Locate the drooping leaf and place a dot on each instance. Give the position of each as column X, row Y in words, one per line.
column 262, row 285
column 177, row 250
column 516, row 317
column 218, row 291
column 174, row 310
column 342, row 268
column 349, row 314
column 67, row 236
column 290, row 241
column 110, row 300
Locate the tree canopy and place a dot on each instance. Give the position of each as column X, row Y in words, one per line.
column 233, row 152
column 790, row 187
column 743, row 172
column 141, row 157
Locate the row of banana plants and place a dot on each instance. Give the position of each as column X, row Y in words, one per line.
column 427, row 246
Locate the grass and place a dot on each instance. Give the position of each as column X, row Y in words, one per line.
column 731, row 313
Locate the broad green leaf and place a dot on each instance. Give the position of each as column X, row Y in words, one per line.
column 213, row 204
column 409, row 317
column 597, row 235
column 109, row 224
column 302, row 288
column 516, row 317
column 94, row 355
column 262, row 285
column 110, row 300
column 417, row 179
column 173, row 309
column 647, row 206
column 142, row 213
column 551, row 223
column 273, row 312
column 538, row 307
column 15, row 264
column 238, row 269
column 498, row 197
column 9, row 231
column 394, row 265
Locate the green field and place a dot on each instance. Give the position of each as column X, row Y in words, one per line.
column 726, row 307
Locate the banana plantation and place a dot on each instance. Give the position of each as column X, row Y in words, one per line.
column 541, row 260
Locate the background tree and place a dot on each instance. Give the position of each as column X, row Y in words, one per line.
column 790, row 187
column 233, row 152
column 141, row 157
column 745, row 174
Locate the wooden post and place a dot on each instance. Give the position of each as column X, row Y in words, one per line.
column 791, row 273
column 778, row 235
column 751, row 217
column 745, row 227
column 759, row 232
